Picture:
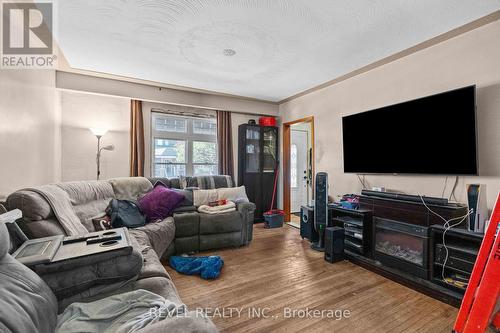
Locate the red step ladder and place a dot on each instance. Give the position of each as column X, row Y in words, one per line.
column 483, row 291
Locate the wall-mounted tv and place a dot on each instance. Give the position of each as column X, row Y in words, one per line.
column 429, row 135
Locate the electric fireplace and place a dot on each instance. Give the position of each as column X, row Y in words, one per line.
column 402, row 246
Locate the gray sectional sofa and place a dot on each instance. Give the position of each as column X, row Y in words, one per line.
column 188, row 231
column 28, row 305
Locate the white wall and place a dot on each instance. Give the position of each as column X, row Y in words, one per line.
column 29, row 129
column 44, row 134
column 76, row 164
column 79, row 82
column 81, row 111
column 471, row 58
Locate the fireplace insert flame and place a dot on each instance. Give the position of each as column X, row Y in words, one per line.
column 402, row 246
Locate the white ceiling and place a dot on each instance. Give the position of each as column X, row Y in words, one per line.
column 282, row 46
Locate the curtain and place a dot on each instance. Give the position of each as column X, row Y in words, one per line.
column 136, row 139
column 225, row 143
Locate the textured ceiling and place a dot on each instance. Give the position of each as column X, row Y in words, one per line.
column 282, row 47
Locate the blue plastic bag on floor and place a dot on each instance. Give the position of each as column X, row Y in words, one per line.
column 207, row 267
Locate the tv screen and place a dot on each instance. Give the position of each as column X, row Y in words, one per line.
column 430, row 135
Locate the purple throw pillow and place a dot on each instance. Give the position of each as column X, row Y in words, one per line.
column 160, row 203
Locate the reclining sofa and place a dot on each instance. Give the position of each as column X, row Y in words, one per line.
column 187, row 231
column 29, row 305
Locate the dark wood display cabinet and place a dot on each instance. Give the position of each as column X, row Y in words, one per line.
column 258, row 160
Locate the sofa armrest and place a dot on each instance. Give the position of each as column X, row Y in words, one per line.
column 185, row 209
column 246, row 210
column 82, row 275
column 187, row 232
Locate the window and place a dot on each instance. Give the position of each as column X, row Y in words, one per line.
column 171, row 124
column 169, row 158
column 293, row 168
column 204, row 127
column 183, row 146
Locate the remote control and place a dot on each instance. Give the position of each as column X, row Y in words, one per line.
column 103, row 239
column 76, row 239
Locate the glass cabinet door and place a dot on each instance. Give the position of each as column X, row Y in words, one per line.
column 269, row 147
column 252, row 149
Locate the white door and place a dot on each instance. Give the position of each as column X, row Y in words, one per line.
column 298, row 169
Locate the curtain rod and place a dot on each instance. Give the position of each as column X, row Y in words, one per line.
column 211, row 109
column 182, row 113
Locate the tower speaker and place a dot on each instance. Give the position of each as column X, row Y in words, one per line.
column 307, row 230
column 476, row 200
column 334, row 244
column 320, row 209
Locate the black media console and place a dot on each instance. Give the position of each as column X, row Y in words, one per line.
column 451, row 263
column 357, row 224
column 397, row 238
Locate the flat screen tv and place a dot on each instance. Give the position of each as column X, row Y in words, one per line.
column 429, row 135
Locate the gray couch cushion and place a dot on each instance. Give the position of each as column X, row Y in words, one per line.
column 32, row 204
column 207, row 182
column 162, row 181
column 130, row 188
column 38, row 218
column 174, row 184
column 220, row 223
column 165, row 288
column 151, row 266
column 187, row 245
column 247, row 210
column 68, row 278
column 191, row 322
column 219, row 241
column 168, row 182
column 188, row 197
column 158, row 285
column 185, row 209
column 89, row 199
column 158, row 235
column 4, row 240
column 27, row 305
column 42, row 228
column 187, row 224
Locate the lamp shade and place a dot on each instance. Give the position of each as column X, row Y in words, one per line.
column 98, row 131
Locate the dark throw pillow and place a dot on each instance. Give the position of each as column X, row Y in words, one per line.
column 160, row 202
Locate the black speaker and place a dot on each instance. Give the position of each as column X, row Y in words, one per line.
column 334, row 244
column 307, row 230
column 320, row 209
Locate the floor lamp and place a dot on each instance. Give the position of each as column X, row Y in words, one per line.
column 99, row 133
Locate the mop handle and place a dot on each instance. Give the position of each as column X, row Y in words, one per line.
column 276, row 172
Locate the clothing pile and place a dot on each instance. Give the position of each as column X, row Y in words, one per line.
column 207, row 267
column 226, row 207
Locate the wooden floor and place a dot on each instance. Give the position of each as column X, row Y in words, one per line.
column 278, row 271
